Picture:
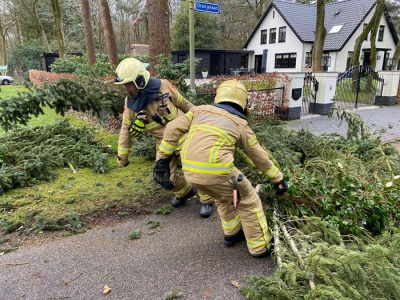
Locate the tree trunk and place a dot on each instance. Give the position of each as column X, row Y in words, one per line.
column 108, row 32
column 3, row 52
column 3, row 43
column 39, row 25
column 396, row 56
column 159, row 36
column 320, row 34
column 55, row 5
column 87, row 28
column 361, row 38
column 375, row 28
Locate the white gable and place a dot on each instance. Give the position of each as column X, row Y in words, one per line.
column 268, row 54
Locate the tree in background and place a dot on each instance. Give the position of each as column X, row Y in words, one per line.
column 88, row 29
column 55, row 4
column 367, row 29
column 131, row 24
column 235, row 23
column 6, row 22
column 205, row 29
column 257, row 7
column 320, row 34
column 32, row 8
column 108, row 32
column 159, row 35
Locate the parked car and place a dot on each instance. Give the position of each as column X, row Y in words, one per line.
column 6, row 80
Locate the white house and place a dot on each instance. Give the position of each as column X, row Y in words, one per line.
column 283, row 38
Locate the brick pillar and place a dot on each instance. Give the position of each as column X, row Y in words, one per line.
column 326, row 91
column 390, row 86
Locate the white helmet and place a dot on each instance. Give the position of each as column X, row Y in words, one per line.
column 132, row 70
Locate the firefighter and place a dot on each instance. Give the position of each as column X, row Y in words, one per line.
column 207, row 157
column 152, row 103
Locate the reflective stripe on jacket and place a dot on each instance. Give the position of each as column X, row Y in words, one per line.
column 208, row 151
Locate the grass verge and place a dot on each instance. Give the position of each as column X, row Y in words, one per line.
column 78, row 199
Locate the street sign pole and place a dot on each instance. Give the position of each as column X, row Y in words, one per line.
column 203, row 7
column 191, row 44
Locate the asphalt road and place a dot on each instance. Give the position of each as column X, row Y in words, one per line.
column 187, row 254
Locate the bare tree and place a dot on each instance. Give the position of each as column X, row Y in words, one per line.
column 320, row 34
column 159, row 36
column 258, row 6
column 31, row 8
column 55, row 5
column 108, row 32
column 6, row 22
column 87, row 28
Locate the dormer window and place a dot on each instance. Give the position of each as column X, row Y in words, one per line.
column 335, row 29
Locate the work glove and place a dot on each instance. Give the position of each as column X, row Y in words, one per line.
column 136, row 127
column 123, row 160
column 161, row 171
column 281, row 187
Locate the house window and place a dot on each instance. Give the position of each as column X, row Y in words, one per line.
column 264, row 36
column 380, row 33
column 282, row 34
column 349, row 62
column 366, row 38
column 182, row 58
column 286, row 60
column 273, row 15
column 272, row 35
column 308, row 61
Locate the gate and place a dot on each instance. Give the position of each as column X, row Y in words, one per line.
column 357, row 87
column 267, row 102
column 310, row 90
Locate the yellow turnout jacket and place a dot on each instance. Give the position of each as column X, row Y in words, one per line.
column 208, row 151
column 168, row 95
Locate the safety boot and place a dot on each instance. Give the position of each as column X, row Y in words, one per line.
column 231, row 240
column 179, row 201
column 265, row 253
column 206, row 210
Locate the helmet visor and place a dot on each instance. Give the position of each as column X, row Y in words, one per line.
column 117, row 78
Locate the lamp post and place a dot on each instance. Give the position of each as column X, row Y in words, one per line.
column 390, row 63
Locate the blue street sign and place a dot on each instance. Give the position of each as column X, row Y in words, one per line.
column 207, row 7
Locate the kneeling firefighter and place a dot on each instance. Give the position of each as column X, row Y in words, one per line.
column 208, row 164
column 152, row 103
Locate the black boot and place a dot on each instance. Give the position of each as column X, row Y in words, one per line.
column 206, row 210
column 177, row 202
column 231, row 240
column 265, row 253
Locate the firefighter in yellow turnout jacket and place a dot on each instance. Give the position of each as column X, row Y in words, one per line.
column 152, row 103
column 208, row 163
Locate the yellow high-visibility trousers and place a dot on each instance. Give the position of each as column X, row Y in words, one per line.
column 249, row 214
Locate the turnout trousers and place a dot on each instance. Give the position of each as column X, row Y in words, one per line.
column 248, row 216
column 181, row 186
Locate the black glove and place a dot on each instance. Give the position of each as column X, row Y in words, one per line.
column 123, row 162
column 161, row 171
column 281, row 187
